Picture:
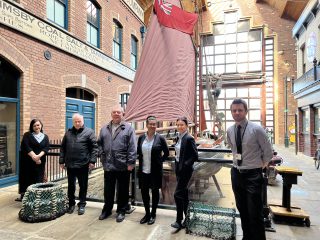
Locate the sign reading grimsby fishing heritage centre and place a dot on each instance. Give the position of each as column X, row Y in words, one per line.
column 17, row 18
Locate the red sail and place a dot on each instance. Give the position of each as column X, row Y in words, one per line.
column 174, row 17
column 164, row 84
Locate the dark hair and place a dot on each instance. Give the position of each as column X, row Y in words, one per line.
column 33, row 121
column 184, row 119
column 151, row 118
column 240, row 101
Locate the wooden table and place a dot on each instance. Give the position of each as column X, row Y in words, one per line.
column 289, row 176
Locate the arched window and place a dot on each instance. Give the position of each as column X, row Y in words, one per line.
column 79, row 94
column 117, row 40
column 134, row 52
column 57, row 12
column 93, row 28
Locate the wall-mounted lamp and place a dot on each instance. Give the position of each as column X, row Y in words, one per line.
column 109, row 78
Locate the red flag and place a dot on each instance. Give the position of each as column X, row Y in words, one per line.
column 171, row 16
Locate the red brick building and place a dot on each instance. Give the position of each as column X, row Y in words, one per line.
column 58, row 57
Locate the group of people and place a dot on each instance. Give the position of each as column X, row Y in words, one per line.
column 117, row 147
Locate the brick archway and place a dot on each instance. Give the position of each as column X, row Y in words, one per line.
column 13, row 55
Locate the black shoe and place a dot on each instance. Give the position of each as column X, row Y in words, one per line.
column 145, row 219
column 81, row 210
column 177, row 225
column 104, row 215
column 70, row 209
column 120, row 217
column 152, row 220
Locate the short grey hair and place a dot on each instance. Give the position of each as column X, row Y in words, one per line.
column 77, row 115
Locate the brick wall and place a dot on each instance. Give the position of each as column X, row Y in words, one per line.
column 44, row 82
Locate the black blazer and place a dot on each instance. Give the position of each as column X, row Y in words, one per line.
column 159, row 153
column 188, row 154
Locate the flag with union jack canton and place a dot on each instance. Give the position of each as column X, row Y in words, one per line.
column 171, row 16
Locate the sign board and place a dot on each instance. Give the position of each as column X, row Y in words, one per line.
column 17, row 18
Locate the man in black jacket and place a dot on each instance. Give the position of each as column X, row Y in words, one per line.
column 78, row 153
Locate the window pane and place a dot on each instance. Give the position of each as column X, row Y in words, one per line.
column 219, row 69
column 254, row 92
column 231, row 93
column 242, row 67
column 231, row 17
column 242, row 92
column 231, row 58
column 242, row 47
column 231, row 28
column 254, row 115
column 231, row 38
column 219, row 49
column 218, row 29
column 255, row 46
column 94, row 36
column 50, row 9
column 219, row 59
column 59, row 14
column 254, row 56
column 221, row 104
column 88, row 32
column 243, row 26
column 207, row 50
column 219, row 39
column 207, row 60
column 255, row 35
column 243, row 37
column 254, row 103
column 231, row 68
column 231, row 48
column 242, row 57
column 255, row 66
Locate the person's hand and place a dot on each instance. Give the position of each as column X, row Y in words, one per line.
column 62, row 166
column 91, row 166
column 130, row 167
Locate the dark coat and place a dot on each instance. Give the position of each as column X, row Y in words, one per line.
column 159, row 153
column 188, row 155
column 78, row 148
column 30, row 172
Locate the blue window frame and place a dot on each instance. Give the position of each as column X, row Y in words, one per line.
column 93, row 29
column 117, row 40
column 57, row 11
column 134, row 52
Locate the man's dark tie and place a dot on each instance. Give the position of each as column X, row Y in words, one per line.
column 239, row 142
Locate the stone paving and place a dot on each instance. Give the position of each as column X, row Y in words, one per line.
column 305, row 195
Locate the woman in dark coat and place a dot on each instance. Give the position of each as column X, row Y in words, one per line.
column 152, row 151
column 186, row 155
column 34, row 147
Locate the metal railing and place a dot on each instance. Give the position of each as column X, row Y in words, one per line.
column 52, row 168
column 203, row 172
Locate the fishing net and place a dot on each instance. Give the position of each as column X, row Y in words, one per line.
column 211, row 221
column 43, row 202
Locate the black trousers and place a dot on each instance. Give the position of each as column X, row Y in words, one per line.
column 181, row 195
column 82, row 175
column 110, row 180
column 247, row 188
column 145, row 186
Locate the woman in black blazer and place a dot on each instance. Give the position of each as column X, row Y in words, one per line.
column 34, row 147
column 186, row 154
column 152, row 151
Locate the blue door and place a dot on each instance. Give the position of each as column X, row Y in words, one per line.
column 85, row 108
